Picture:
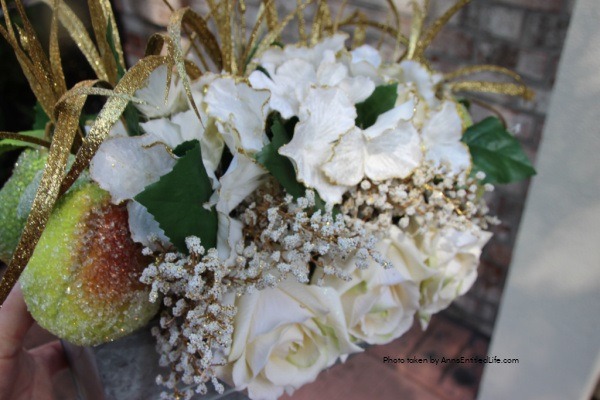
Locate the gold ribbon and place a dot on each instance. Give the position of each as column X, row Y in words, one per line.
column 24, row 138
column 67, row 118
column 435, row 28
column 133, row 80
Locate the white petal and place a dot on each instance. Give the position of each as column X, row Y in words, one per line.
column 124, row 167
column 444, row 126
column 347, row 166
column 288, row 85
column 164, row 131
column 358, row 88
column 211, row 142
column 144, row 228
column 456, row 155
column 441, row 138
column 316, row 54
column 240, row 111
column 394, row 154
column 417, row 73
column 229, row 233
column 331, row 73
column 154, row 95
column 390, row 119
column 242, row 177
column 325, row 116
column 366, row 53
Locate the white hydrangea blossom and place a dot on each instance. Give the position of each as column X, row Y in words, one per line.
column 293, row 70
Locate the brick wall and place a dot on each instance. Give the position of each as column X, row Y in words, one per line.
column 524, row 35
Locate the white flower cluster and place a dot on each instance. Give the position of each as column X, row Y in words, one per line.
column 398, row 235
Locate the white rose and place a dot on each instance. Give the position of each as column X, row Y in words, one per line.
column 454, row 256
column 380, row 304
column 284, row 337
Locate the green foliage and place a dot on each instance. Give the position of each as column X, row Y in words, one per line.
column 282, row 169
column 381, row 100
column 177, row 200
column 497, row 153
column 7, row 145
column 40, row 117
column 280, row 166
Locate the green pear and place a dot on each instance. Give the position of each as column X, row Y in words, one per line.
column 82, row 282
column 12, row 221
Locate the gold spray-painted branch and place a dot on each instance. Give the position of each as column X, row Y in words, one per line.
column 435, row 28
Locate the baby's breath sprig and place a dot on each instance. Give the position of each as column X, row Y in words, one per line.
column 196, row 324
column 428, row 198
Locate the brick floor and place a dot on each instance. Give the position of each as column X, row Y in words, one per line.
column 366, row 376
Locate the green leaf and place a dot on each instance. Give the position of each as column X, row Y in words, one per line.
column 177, row 200
column 113, row 48
column 40, row 117
column 185, row 147
column 132, row 121
column 383, row 99
column 466, row 103
column 497, row 153
column 281, row 133
column 280, row 166
column 264, row 71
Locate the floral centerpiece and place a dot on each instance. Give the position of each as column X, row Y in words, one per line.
column 277, row 204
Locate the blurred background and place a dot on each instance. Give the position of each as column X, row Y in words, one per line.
column 523, row 35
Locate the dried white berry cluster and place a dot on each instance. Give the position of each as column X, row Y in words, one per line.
column 284, row 237
column 428, row 198
column 197, row 323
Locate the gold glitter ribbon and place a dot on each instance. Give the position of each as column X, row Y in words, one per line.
column 31, row 58
column 512, row 89
column 197, row 24
column 435, row 28
column 133, row 80
column 272, row 35
column 68, row 111
column 321, row 22
column 77, row 31
column 24, row 138
column 358, row 18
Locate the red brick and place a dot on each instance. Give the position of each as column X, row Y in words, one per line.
column 446, row 339
column 362, row 377
column 502, row 22
column 454, row 43
column 543, row 5
column 461, row 381
column 533, row 64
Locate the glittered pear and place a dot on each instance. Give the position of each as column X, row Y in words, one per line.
column 82, row 283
